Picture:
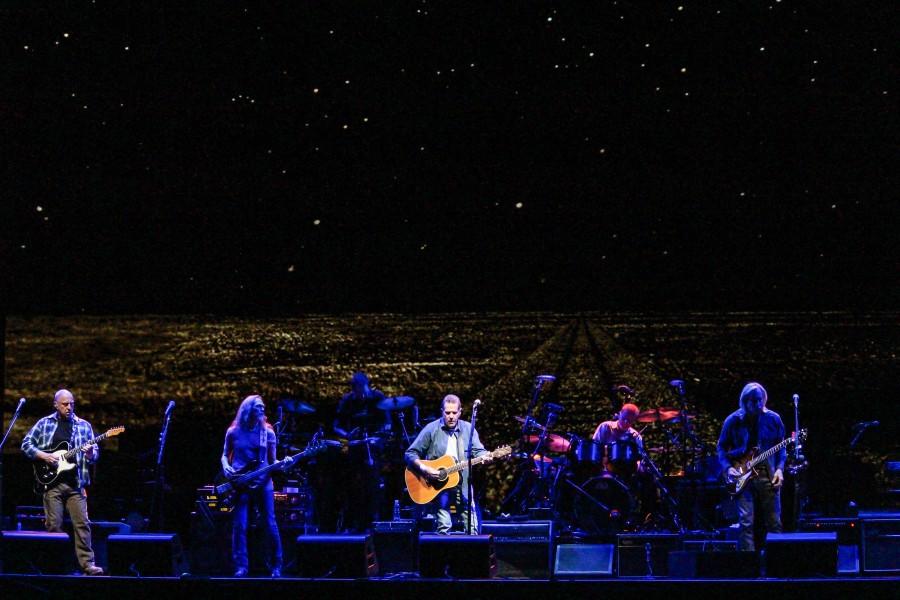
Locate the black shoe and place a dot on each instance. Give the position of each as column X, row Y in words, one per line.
column 240, row 572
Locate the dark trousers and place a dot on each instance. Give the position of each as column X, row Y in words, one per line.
column 64, row 497
column 264, row 499
column 758, row 497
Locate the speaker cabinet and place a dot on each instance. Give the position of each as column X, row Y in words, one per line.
column 524, row 550
column 584, row 560
column 338, row 556
column 801, row 554
column 457, row 556
column 881, row 546
column 396, row 544
column 145, row 555
column 646, row 554
column 37, row 553
column 720, row 564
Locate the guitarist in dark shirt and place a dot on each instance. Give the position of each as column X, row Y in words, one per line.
column 753, row 426
column 67, row 491
column 250, row 444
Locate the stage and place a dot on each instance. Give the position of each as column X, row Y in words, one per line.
column 495, row 589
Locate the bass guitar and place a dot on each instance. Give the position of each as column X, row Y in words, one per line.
column 250, row 477
column 45, row 474
column 423, row 489
column 747, row 464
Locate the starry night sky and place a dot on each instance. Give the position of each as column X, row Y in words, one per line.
column 430, row 156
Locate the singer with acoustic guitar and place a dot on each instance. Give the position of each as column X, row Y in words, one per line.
column 447, row 436
column 66, row 492
column 249, row 445
column 746, row 431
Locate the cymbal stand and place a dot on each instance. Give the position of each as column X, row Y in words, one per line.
column 664, row 491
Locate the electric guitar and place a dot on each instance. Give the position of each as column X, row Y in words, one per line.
column 250, row 478
column 45, row 474
column 423, row 489
column 747, row 464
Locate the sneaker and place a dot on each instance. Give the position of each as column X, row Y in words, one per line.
column 276, row 573
column 93, row 570
column 240, row 572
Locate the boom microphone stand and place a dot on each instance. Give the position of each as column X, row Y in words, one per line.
column 156, row 510
column 3, row 443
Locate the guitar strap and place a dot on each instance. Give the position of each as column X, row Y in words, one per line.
column 262, row 444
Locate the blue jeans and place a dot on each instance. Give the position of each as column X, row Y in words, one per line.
column 264, row 499
column 443, row 517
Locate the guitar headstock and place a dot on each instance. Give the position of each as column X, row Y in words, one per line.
column 114, row 431
column 501, row 452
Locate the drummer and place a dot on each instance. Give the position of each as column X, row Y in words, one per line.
column 357, row 412
column 359, row 420
column 620, row 434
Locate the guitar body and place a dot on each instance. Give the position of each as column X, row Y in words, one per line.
column 226, row 486
column 46, row 474
column 735, row 485
column 423, row 490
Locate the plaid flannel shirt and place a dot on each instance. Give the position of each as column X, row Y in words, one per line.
column 40, row 437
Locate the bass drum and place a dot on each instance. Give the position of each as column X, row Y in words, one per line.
column 604, row 506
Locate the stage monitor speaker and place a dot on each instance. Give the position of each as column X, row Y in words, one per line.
column 881, row 546
column 395, row 545
column 37, row 553
column 718, row 564
column 524, row 550
column 457, row 556
column 801, row 554
column 646, row 554
column 584, row 560
column 145, row 555
column 337, row 556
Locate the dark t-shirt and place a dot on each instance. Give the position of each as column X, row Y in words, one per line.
column 63, row 433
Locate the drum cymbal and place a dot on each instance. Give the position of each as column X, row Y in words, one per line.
column 396, row 403
column 553, row 442
column 663, row 413
column 297, row 406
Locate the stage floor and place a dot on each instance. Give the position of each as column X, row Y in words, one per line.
column 639, row 588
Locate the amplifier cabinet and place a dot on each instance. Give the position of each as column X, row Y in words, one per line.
column 881, row 546
column 646, row 554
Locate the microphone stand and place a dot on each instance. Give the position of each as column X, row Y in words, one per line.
column 797, row 466
column 156, row 511
column 471, row 499
column 3, row 443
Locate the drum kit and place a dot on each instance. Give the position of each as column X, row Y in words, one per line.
column 599, row 489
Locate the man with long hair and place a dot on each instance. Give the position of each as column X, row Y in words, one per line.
column 249, row 445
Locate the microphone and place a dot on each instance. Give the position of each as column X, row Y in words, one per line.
column 170, row 407
column 21, row 403
column 476, row 404
column 796, row 399
column 866, row 424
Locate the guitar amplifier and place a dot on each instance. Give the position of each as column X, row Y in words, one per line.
column 207, row 497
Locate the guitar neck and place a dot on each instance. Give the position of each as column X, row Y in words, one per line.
column 464, row 464
column 71, row 453
column 765, row 455
column 268, row 468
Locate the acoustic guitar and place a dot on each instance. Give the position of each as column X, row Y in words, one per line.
column 423, row 489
